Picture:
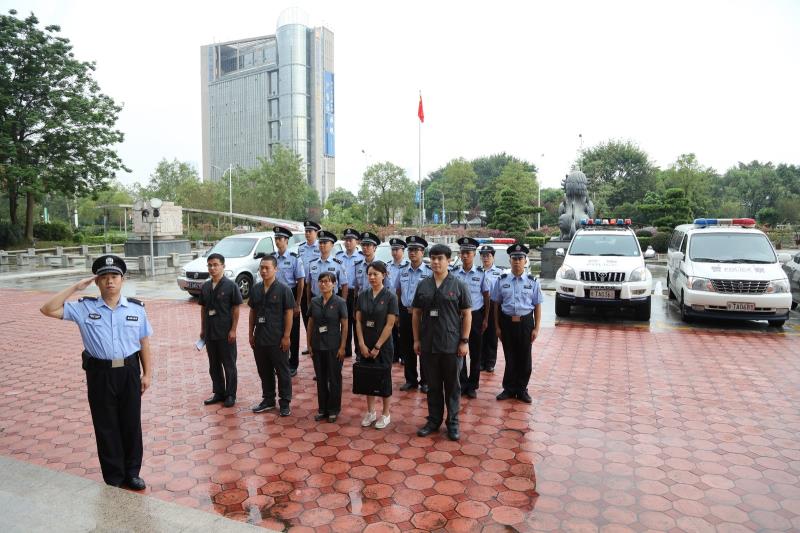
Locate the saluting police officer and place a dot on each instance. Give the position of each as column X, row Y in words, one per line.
column 517, row 298
column 398, row 263
column 475, row 280
column 292, row 273
column 442, row 311
column 492, row 273
column 350, row 258
column 406, row 286
column 116, row 340
column 308, row 251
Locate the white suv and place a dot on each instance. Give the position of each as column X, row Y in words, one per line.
column 604, row 266
column 725, row 268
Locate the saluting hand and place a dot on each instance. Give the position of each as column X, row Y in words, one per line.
column 82, row 284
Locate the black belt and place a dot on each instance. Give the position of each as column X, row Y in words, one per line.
column 518, row 317
column 94, row 363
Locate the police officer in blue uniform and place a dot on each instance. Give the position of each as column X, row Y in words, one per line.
column 292, row 273
column 398, row 263
column 492, row 273
column 326, row 263
column 116, row 340
column 369, row 244
column 351, row 258
column 517, row 298
column 475, row 280
column 406, row 286
column 308, row 251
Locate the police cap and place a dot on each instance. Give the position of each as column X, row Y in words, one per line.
column 487, row 249
column 415, row 241
column 311, row 225
column 280, row 231
column 109, row 264
column 325, row 235
column 370, row 238
column 351, row 233
column 467, row 244
column 394, row 242
column 517, row 250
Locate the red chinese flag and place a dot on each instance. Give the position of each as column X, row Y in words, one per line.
column 420, row 114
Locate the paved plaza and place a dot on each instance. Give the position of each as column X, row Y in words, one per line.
column 632, row 428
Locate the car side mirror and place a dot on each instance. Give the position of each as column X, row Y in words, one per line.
column 679, row 256
column 560, row 252
column 784, row 258
column 259, row 255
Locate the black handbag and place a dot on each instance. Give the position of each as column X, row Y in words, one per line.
column 372, row 378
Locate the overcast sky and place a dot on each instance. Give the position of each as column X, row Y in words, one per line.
column 719, row 79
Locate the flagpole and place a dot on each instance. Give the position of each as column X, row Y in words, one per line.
column 419, row 170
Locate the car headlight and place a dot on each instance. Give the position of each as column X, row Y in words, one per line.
column 639, row 274
column 701, row 284
column 567, row 272
column 229, row 273
column 778, row 286
column 183, row 272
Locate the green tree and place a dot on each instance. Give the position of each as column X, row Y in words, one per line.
column 386, row 193
column 696, row 181
column 666, row 210
column 768, row 215
column 511, row 214
column 172, row 181
column 516, row 177
column 275, row 188
column 618, row 172
column 458, row 183
column 115, row 194
column 56, row 127
column 756, row 185
column 341, row 198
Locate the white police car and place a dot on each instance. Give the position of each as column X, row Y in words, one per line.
column 604, row 266
column 726, row 268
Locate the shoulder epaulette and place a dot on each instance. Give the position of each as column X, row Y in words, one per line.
column 315, row 260
column 531, row 276
column 293, row 254
column 504, row 276
column 337, row 260
column 274, row 254
column 405, row 263
column 89, row 298
column 480, row 269
column 358, row 262
column 136, row 301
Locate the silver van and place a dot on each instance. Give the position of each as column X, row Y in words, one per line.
column 241, row 254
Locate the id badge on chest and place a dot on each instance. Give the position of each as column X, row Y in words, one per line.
column 212, row 312
column 323, row 329
column 262, row 319
column 434, row 312
column 370, row 323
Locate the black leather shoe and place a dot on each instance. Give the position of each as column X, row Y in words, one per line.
column 135, row 483
column 285, row 411
column 490, row 369
column 214, row 399
column 424, row 388
column 471, row 393
column 305, row 352
column 293, row 372
column 426, row 430
column 332, row 418
column 505, row 395
column 525, row 397
column 320, row 416
column 453, row 434
column 264, row 406
column 408, row 386
column 230, row 401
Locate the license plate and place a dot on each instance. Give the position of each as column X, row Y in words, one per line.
column 193, row 285
column 601, row 294
column 741, row 306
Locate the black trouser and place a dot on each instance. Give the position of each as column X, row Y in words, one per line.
column 517, row 348
column 222, row 366
column 489, row 344
column 443, row 387
column 115, row 400
column 398, row 354
column 329, row 381
column 407, row 344
column 351, row 321
column 304, row 309
column 294, row 343
column 271, row 361
column 471, row 380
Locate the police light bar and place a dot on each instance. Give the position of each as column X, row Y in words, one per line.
column 743, row 222
column 504, row 240
column 605, row 222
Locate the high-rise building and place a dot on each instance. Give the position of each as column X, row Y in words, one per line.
column 264, row 91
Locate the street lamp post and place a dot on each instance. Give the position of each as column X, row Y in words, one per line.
column 230, row 189
column 150, row 212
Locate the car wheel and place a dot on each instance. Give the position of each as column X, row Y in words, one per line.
column 794, row 306
column 643, row 311
column 670, row 294
column 562, row 308
column 684, row 315
column 777, row 323
column 243, row 281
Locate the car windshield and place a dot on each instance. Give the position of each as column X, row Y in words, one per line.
column 623, row 245
column 233, row 247
column 731, row 248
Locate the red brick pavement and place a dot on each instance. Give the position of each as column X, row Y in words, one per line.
column 629, row 431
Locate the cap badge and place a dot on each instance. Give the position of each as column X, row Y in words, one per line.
column 109, row 260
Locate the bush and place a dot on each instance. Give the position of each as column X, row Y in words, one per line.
column 660, row 242
column 10, row 235
column 644, row 242
column 111, row 238
column 78, row 238
column 536, row 242
column 644, row 233
column 52, row 231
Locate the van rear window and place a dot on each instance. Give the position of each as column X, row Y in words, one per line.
column 731, row 248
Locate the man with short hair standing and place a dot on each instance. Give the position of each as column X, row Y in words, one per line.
column 308, row 251
column 398, row 263
column 406, row 286
column 219, row 315
column 116, row 340
column 350, row 258
column 272, row 308
column 442, row 311
column 292, row 273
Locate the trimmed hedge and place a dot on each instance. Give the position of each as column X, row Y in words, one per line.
column 52, row 231
column 644, row 242
column 661, row 241
column 10, row 235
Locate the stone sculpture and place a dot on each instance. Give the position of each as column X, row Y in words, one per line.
column 576, row 204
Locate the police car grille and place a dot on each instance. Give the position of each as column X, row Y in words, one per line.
column 197, row 275
column 740, row 286
column 616, row 277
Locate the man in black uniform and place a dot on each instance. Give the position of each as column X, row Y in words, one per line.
column 116, row 339
column 219, row 315
column 270, row 324
column 442, row 309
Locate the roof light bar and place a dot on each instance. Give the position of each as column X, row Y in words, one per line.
column 744, row 222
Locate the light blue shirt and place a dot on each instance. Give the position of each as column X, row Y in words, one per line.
column 475, row 282
column 308, row 253
column 290, row 268
column 349, row 262
column 517, row 295
column 408, row 280
column 107, row 333
column 492, row 275
column 394, row 270
column 319, row 266
column 361, row 282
